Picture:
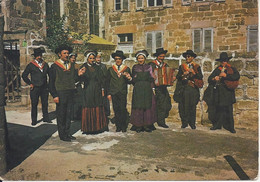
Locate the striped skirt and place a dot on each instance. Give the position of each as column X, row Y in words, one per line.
column 94, row 120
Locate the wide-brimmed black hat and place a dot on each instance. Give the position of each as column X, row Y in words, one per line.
column 190, row 53
column 38, row 51
column 223, row 57
column 118, row 53
column 160, row 51
column 89, row 52
column 63, row 47
column 142, row 52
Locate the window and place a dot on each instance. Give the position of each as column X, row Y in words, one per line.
column 125, row 42
column 152, row 3
column 202, row 40
column 154, row 40
column 52, row 9
column 252, row 38
column 93, row 17
column 52, row 12
column 121, row 5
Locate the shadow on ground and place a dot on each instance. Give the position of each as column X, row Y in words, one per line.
column 24, row 140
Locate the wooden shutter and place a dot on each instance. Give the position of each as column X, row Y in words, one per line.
column 252, row 39
column 208, row 40
column 125, row 5
column 139, row 4
column 168, row 2
column 158, row 39
column 197, row 40
column 149, row 42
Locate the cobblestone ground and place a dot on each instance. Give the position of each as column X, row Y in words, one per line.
column 36, row 153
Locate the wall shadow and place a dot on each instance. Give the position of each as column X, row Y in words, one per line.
column 24, row 140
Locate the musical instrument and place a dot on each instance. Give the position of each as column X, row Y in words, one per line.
column 164, row 76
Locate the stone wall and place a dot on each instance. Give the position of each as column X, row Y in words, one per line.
column 229, row 20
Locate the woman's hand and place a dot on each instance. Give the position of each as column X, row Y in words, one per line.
column 82, row 71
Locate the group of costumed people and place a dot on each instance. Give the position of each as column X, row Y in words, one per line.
column 85, row 91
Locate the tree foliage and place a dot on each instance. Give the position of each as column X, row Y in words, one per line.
column 57, row 33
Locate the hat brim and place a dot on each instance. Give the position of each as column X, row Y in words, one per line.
column 185, row 54
column 119, row 55
column 157, row 54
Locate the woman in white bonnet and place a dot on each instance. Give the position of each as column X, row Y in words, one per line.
column 93, row 115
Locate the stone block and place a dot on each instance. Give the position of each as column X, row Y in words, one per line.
column 246, row 81
column 222, row 32
column 223, row 48
column 126, row 29
column 204, row 8
column 119, row 23
column 252, row 65
column 252, row 92
column 234, row 47
column 216, row 7
column 207, row 66
column 186, row 15
column 208, row 13
column 248, row 118
column 239, row 65
column 247, row 105
column 239, row 93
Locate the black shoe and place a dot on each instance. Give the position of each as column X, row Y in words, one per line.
column 34, row 123
column 184, row 125
column 152, row 127
column 71, row 137
column 193, row 127
column 163, row 125
column 147, row 129
column 133, row 128
column 118, row 130
column 233, row 131
column 215, row 128
column 123, row 130
column 66, row 139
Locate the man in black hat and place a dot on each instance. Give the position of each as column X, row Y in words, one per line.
column 187, row 92
column 38, row 71
column 220, row 94
column 163, row 99
column 62, row 85
column 119, row 76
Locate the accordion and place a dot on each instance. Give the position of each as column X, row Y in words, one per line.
column 164, row 76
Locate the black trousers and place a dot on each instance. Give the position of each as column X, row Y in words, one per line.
column 63, row 111
column 187, row 107
column 163, row 104
column 224, row 117
column 35, row 93
column 119, row 105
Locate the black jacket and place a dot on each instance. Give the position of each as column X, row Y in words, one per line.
column 38, row 77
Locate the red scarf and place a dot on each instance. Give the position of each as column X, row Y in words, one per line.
column 37, row 65
column 228, row 68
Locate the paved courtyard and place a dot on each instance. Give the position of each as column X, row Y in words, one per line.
column 36, row 153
